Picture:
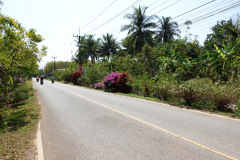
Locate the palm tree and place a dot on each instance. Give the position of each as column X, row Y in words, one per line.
column 139, row 31
column 167, row 30
column 108, row 46
column 90, row 46
column 81, row 55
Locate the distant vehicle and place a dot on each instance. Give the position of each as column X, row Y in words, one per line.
column 41, row 80
column 52, row 79
column 37, row 79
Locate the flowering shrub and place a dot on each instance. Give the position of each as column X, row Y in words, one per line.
column 123, row 83
column 110, row 82
column 98, row 86
column 75, row 77
column 20, row 93
column 19, row 80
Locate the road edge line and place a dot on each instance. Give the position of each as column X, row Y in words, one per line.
column 39, row 144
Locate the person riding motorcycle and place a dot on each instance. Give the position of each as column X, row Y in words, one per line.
column 52, row 78
column 37, row 79
column 41, row 80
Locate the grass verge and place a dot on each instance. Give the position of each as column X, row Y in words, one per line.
column 18, row 127
column 177, row 104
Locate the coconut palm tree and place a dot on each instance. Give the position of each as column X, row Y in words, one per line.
column 90, row 46
column 139, row 29
column 81, row 55
column 108, row 46
column 167, row 30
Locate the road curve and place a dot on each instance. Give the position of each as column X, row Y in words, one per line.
column 80, row 123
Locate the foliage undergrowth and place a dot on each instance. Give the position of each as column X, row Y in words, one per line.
column 18, row 126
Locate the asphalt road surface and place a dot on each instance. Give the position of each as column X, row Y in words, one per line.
column 84, row 124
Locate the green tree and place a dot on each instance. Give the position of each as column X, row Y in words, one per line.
column 149, row 60
column 223, row 63
column 49, row 67
column 81, row 55
column 19, row 50
column 223, row 31
column 167, row 30
column 139, row 29
column 108, row 46
column 90, row 47
column 19, row 53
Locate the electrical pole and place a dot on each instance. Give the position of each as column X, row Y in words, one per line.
column 46, row 68
column 79, row 61
column 54, row 62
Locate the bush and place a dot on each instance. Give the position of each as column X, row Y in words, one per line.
column 82, row 81
column 75, row 77
column 138, row 87
column 236, row 109
column 66, row 76
column 110, row 82
column 223, row 96
column 95, row 74
column 196, row 91
column 162, row 93
column 123, row 83
column 98, row 86
column 20, row 93
column 188, row 92
column 58, row 74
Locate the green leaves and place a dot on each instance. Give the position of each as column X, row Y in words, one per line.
column 19, row 51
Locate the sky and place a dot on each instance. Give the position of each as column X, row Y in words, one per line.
column 58, row 20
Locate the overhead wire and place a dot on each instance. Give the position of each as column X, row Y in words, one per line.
column 118, row 28
column 99, row 14
column 157, row 6
column 194, row 27
column 168, row 6
column 197, row 25
column 194, row 20
column 203, row 10
column 103, row 24
column 194, row 9
column 210, row 14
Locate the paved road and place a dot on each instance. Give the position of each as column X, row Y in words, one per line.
column 84, row 124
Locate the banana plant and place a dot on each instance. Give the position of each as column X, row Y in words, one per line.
column 222, row 64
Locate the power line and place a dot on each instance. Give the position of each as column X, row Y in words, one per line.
column 153, row 3
column 117, row 28
column 203, row 11
column 114, row 16
column 167, row 6
column 194, row 9
column 210, row 14
column 158, row 5
column 99, row 14
column 203, row 26
column 232, row 7
column 197, row 25
column 213, row 6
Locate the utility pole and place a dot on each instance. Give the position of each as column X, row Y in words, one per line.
column 54, row 62
column 46, row 68
column 79, row 61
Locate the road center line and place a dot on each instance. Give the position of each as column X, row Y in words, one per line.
column 152, row 125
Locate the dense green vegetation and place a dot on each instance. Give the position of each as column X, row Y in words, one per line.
column 19, row 111
column 19, row 54
column 18, row 127
column 163, row 65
